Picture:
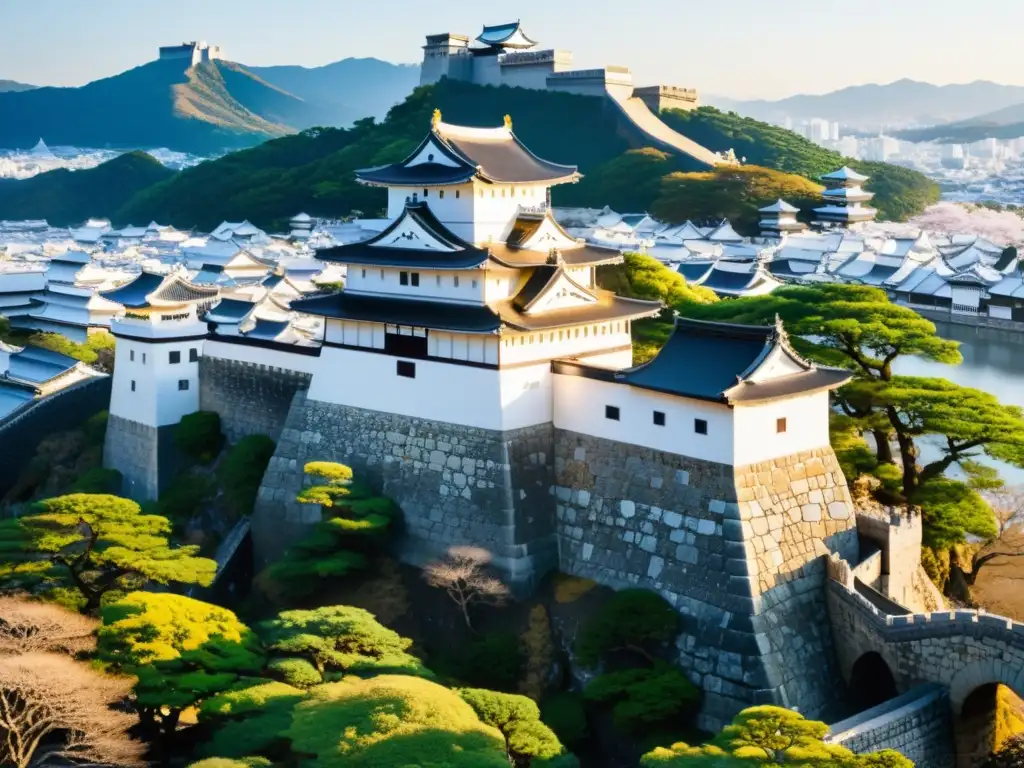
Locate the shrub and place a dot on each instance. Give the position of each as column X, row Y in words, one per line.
column 518, row 719
column 299, row 673
column 198, row 436
column 184, row 498
column 241, row 471
column 99, row 480
column 565, row 715
column 642, row 699
column 538, row 653
column 491, row 660
column 634, row 620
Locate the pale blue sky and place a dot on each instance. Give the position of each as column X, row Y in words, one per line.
column 742, row 48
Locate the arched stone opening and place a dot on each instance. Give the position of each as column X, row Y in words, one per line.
column 976, row 726
column 871, row 682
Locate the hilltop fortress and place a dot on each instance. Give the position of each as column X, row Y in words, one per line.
column 505, row 55
column 192, row 52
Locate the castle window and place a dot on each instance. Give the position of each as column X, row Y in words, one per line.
column 456, row 281
column 551, row 336
column 441, row 194
column 364, row 274
column 182, row 385
column 430, row 157
column 503, row 192
column 659, row 419
column 611, row 412
column 133, row 385
column 193, row 355
column 780, row 426
column 415, row 279
column 456, row 194
column 405, row 369
column 560, row 336
column 437, row 279
column 382, row 274
column 403, row 278
column 426, row 192
column 700, row 426
column 131, row 355
column 493, row 193
column 175, row 358
column 586, row 332
column 143, row 358
column 474, row 283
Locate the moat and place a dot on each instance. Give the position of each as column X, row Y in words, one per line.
column 993, row 362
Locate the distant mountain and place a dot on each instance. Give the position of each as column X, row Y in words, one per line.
column 7, row 86
column 902, row 103
column 348, row 89
column 66, row 197
column 205, row 109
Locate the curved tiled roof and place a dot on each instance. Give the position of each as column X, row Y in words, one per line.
column 135, row 294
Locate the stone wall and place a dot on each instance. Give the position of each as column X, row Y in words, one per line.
column 455, row 485
column 22, row 431
column 251, row 399
column 145, row 456
column 737, row 550
column 917, row 724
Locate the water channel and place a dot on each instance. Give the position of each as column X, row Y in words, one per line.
column 993, row 362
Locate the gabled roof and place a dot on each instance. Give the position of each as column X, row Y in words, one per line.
column 149, row 288
column 229, row 311
column 845, row 174
column 731, row 364
column 544, row 284
column 38, row 366
column 455, row 154
column 779, row 206
column 77, row 258
column 505, row 36
column 694, row 271
column 724, row 233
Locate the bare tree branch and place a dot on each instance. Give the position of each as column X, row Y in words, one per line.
column 27, row 627
column 463, row 575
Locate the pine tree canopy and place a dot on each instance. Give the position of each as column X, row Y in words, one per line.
column 768, row 735
column 858, row 328
column 339, row 640
column 94, row 543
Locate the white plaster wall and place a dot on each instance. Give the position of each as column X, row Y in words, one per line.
column 274, row 358
column 1001, row 313
column 566, row 342
column 528, row 75
column 615, row 361
column 526, row 396
column 434, row 284
column 579, row 406
column 486, row 70
column 496, row 207
column 156, row 400
column 756, row 438
column 442, row 392
column 502, row 284
column 475, row 348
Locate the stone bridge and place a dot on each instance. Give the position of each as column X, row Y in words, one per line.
column 961, row 650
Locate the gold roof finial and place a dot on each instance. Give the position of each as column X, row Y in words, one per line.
column 435, row 119
column 508, row 122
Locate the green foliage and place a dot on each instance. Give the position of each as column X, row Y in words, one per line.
column 94, row 543
column 356, row 528
column 644, row 277
column 251, row 718
column 492, row 660
column 241, row 471
column 769, row 735
column 223, row 762
column 732, row 192
column 518, row 719
column 185, row 497
column 631, row 620
column 538, row 653
column 643, row 699
column 565, row 715
column 67, row 198
column 392, row 721
column 629, row 182
column 98, row 480
column 340, row 640
column 858, row 328
column 899, row 192
column 198, row 436
column 299, row 673
column 182, row 651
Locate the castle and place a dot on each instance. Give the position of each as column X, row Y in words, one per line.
column 192, row 52
column 474, row 371
column 504, row 54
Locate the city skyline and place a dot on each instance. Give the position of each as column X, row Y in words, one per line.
column 737, row 50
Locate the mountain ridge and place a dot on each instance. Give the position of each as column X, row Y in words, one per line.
column 13, row 86
column 872, row 105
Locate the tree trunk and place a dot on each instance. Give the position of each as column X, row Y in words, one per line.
column 883, row 448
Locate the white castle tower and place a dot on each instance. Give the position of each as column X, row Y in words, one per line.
column 156, row 376
column 845, row 200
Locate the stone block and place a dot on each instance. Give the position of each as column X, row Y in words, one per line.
column 687, row 554
column 588, row 550
column 682, row 477
column 580, row 454
column 716, row 507
column 838, row 510
column 706, row 527
column 627, row 508
column 649, row 543
column 655, row 567
column 583, row 498
column 811, row 513
column 799, row 486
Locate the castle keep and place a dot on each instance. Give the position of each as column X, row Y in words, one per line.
column 473, row 370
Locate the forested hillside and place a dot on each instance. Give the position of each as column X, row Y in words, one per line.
column 313, row 171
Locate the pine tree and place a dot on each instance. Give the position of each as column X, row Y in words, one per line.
column 858, row 328
column 356, row 526
column 94, row 543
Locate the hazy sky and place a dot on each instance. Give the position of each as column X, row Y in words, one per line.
column 741, row 48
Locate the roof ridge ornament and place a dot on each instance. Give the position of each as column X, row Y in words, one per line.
column 435, row 119
column 555, row 258
column 508, row 123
